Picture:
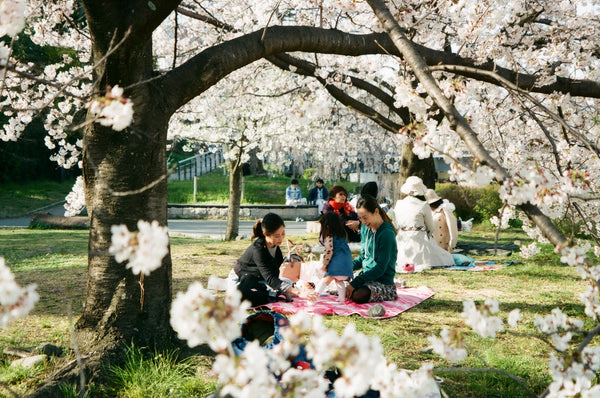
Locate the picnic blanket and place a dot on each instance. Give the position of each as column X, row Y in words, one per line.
column 328, row 305
column 478, row 266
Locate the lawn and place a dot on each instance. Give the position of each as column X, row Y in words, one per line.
column 214, row 188
column 22, row 199
column 56, row 261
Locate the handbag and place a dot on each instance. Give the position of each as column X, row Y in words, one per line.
column 292, row 262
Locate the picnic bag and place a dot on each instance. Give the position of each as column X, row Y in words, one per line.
column 292, row 262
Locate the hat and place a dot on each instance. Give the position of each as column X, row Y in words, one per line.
column 431, row 196
column 413, row 186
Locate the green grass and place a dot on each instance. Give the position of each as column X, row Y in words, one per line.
column 214, row 188
column 56, row 261
column 158, row 374
column 21, row 199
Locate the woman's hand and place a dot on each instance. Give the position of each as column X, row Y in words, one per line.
column 349, row 290
column 353, row 225
column 310, row 294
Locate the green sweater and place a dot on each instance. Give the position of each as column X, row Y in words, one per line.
column 377, row 257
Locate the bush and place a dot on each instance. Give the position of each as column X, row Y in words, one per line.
column 309, row 173
column 477, row 203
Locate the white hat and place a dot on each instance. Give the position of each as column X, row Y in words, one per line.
column 413, row 186
column 431, row 196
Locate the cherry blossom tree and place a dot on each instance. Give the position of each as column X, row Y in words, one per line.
column 514, row 83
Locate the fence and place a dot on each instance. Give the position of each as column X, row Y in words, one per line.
column 197, row 165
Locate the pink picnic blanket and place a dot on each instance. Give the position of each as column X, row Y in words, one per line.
column 328, row 305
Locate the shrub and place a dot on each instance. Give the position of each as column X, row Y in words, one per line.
column 309, row 173
column 477, row 203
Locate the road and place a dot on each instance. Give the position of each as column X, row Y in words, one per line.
column 192, row 228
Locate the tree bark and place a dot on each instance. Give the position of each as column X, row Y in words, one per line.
column 235, row 198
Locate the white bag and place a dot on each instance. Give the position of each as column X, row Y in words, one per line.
column 310, row 271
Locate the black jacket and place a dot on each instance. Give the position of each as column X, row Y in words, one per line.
column 257, row 261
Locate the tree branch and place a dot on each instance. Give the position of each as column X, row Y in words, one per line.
column 307, row 69
column 456, row 120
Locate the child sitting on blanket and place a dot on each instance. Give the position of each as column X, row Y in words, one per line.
column 337, row 258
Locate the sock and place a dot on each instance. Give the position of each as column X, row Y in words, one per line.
column 320, row 287
column 341, row 289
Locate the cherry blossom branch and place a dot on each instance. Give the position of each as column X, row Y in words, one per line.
column 208, row 19
column 507, row 84
column 308, row 69
column 585, row 222
column 5, row 68
column 456, row 120
column 262, row 38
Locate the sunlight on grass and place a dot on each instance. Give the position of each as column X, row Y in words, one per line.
column 56, row 261
column 157, row 375
column 18, row 199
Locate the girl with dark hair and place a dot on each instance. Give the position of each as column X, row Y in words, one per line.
column 338, row 203
column 337, row 258
column 256, row 272
column 377, row 257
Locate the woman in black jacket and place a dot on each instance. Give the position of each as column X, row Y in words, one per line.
column 256, row 272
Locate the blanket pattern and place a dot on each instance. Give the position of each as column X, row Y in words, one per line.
column 328, row 305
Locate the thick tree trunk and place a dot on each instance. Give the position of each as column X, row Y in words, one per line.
column 235, row 198
column 256, row 165
column 411, row 165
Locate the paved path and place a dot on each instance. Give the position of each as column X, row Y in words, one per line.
column 193, row 228
column 216, row 228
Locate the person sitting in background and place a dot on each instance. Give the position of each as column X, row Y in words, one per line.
column 293, row 194
column 338, row 203
column 318, row 195
column 414, row 221
column 445, row 229
column 370, row 188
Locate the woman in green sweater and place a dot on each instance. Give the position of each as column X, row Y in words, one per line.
column 377, row 256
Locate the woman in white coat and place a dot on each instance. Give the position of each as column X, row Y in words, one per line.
column 413, row 218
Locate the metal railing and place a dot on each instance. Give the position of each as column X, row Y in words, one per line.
column 198, row 165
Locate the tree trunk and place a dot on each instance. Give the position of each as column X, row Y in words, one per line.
column 256, row 165
column 235, row 198
column 411, row 165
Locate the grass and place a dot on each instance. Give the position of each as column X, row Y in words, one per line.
column 21, row 199
column 56, row 261
column 214, row 188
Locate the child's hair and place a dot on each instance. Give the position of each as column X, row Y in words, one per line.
column 267, row 225
column 331, row 225
column 371, row 204
column 294, row 181
column 370, row 188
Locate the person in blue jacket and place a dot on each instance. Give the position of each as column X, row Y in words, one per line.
column 377, row 259
column 318, row 195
